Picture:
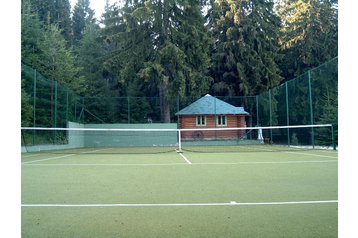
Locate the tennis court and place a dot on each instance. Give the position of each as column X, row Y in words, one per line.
column 103, row 192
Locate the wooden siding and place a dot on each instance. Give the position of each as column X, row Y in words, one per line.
column 189, row 122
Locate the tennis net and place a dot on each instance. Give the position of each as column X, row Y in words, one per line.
column 256, row 139
column 106, row 140
column 99, row 140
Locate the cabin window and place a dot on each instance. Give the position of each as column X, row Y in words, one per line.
column 201, row 120
column 221, row 120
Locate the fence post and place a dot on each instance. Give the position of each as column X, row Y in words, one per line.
column 67, row 107
column 178, row 104
column 83, row 109
column 311, row 105
column 55, row 121
column 333, row 138
column 270, row 107
column 128, row 110
column 257, row 110
column 287, row 115
column 34, row 106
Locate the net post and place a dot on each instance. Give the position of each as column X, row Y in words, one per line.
column 179, row 141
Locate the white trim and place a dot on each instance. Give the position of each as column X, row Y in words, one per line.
column 231, row 203
column 201, row 118
column 221, row 117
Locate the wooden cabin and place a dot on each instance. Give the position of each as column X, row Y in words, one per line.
column 210, row 112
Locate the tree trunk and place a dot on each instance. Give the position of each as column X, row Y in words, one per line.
column 164, row 104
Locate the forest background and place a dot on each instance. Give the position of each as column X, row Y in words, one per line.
column 171, row 48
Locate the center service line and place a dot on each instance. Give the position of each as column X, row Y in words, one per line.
column 185, row 158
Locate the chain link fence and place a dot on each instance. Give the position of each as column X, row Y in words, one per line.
column 309, row 99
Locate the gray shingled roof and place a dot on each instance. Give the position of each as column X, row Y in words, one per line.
column 209, row 105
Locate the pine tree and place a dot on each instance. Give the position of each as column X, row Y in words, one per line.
column 82, row 15
column 26, row 107
column 245, row 54
column 309, row 34
column 180, row 61
column 164, row 43
column 55, row 12
column 57, row 61
column 89, row 54
column 32, row 33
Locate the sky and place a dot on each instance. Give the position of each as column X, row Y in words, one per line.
column 97, row 5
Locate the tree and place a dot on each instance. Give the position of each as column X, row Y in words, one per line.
column 26, row 108
column 246, row 52
column 89, row 60
column 309, row 34
column 32, row 33
column 163, row 44
column 57, row 62
column 179, row 63
column 82, row 15
column 55, row 12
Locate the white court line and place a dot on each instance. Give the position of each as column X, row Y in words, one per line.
column 92, row 151
column 51, row 158
column 231, row 203
column 185, row 158
column 122, row 165
column 213, row 163
column 309, row 154
column 64, row 156
column 270, row 162
column 28, row 156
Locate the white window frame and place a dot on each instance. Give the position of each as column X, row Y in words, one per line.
column 200, row 120
column 221, row 120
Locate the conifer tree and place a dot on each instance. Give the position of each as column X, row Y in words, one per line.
column 164, row 43
column 246, row 51
column 309, row 34
column 55, row 12
column 89, row 55
column 82, row 15
column 32, row 33
column 58, row 62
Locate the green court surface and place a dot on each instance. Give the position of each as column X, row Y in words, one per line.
column 247, row 194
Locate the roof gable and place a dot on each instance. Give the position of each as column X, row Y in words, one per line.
column 209, row 105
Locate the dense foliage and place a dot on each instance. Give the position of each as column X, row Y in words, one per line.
column 168, row 48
